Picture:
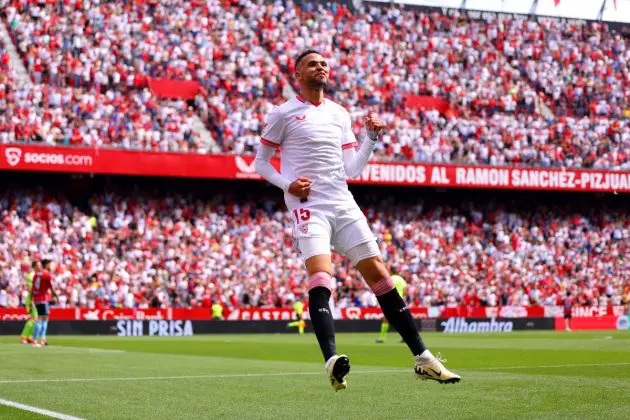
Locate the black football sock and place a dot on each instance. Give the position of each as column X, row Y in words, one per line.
column 322, row 320
column 399, row 317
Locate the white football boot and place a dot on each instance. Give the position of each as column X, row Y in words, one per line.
column 431, row 367
column 337, row 367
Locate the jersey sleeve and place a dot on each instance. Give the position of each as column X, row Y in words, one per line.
column 348, row 140
column 273, row 131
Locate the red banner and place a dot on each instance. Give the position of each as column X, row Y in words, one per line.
column 494, row 312
column 261, row 314
column 584, row 311
column 285, row 314
column 126, row 162
column 607, row 322
column 427, row 102
column 109, row 314
column 177, row 89
column 375, row 313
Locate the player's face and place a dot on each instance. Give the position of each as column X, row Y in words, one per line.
column 313, row 71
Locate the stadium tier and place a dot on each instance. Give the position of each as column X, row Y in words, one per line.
column 506, row 91
column 142, row 246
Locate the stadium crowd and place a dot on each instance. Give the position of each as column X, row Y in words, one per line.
column 140, row 250
column 584, row 69
column 118, row 45
column 61, row 115
column 492, row 73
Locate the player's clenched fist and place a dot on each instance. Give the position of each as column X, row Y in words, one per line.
column 374, row 126
column 301, row 187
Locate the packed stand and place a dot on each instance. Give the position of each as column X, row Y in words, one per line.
column 118, row 45
column 66, row 116
column 511, row 140
column 385, row 53
column 138, row 250
column 378, row 56
column 381, row 55
column 583, row 68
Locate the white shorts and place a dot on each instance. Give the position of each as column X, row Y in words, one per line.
column 342, row 226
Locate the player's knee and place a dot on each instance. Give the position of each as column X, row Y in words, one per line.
column 319, row 263
column 320, row 279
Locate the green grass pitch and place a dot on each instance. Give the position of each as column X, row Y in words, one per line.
column 535, row 375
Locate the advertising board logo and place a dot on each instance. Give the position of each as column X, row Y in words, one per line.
column 245, row 170
column 13, row 155
column 462, row 325
column 513, row 312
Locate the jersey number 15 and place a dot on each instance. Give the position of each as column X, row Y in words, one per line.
column 301, row 215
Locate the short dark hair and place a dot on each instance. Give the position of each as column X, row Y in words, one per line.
column 304, row 54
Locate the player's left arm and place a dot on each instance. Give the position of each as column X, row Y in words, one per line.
column 52, row 288
column 354, row 161
column 55, row 295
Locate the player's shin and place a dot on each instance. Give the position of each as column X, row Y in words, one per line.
column 384, row 329
column 44, row 329
column 398, row 315
column 319, row 310
column 31, row 328
column 38, row 328
column 28, row 328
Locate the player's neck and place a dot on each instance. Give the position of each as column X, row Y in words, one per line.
column 315, row 97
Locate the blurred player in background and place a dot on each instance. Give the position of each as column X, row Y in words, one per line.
column 400, row 284
column 217, row 310
column 27, row 333
column 42, row 283
column 298, row 308
column 568, row 308
column 319, row 153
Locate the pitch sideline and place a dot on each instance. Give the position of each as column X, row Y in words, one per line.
column 41, row 411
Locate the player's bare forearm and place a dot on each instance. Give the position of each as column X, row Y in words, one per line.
column 301, row 187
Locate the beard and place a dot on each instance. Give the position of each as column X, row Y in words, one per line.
column 317, row 84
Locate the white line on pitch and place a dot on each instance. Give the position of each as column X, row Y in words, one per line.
column 274, row 374
column 41, row 411
column 217, row 376
column 550, row 366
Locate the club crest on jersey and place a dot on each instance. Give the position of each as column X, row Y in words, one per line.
column 302, row 118
column 303, row 228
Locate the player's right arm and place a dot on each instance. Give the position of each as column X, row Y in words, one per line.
column 270, row 139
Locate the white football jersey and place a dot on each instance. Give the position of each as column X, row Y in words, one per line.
column 311, row 138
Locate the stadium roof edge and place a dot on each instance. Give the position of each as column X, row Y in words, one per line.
column 609, row 11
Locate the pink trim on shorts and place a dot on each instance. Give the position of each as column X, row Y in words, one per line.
column 350, row 145
column 383, row 286
column 320, row 279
